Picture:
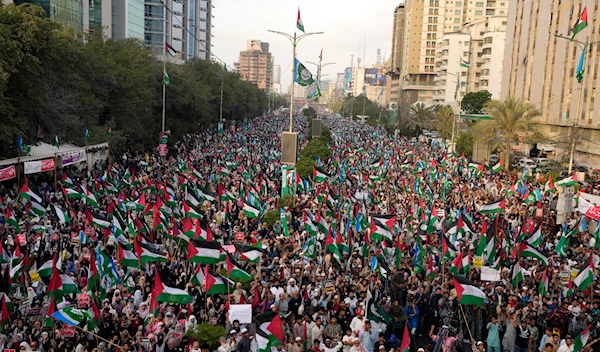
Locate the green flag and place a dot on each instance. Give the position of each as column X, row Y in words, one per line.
column 167, row 81
column 284, row 225
column 302, row 75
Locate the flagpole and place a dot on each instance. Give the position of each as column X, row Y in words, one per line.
column 164, row 86
column 101, row 338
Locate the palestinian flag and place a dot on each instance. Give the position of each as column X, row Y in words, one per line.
column 4, row 317
column 494, row 207
column 385, row 221
column 543, row 286
column 223, row 171
column 581, row 24
column 213, row 284
column 398, row 252
column 250, row 211
column 11, row 220
column 567, row 182
column 37, row 209
column 448, row 250
column 46, row 269
column 63, row 217
column 585, row 277
column 269, row 331
column 379, row 231
column 163, row 293
column 147, row 254
column 516, row 275
column 127, row 258
column 582, row 339
column 90, row 199
column 224, row 194
column 250, row 253
column 204, row 252
column 512, row 190
column 405, row 345
column 67, row 181
column 28, row 194
column 72, row 316
column 234, row 271
column 309, row 226
column 536, row 237
column 93, row 276
column 456, row 266
column 319, row 176
column 468, row 293
column 202, row 234
column 61, row 284
column 49, row 321
column 464, row 63
column 191, row 212
column 496, row 168
column 549, row 187
column 528, row 251
column 103, row 224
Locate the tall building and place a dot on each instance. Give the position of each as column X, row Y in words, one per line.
column 255, row 65
column 127, row 19
column 426, row 22
column 541, row 69
column 186, row 26
column 481, row 46
column 74, row 13
column 397, row 56
column 276, row 73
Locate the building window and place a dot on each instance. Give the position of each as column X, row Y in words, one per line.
column 459, row 3
column 502, row 4
column 456, row 28
column 478, row 12
column 458, row 12
column 456, row 19
column 479, row 4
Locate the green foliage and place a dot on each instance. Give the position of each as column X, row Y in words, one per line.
column 555, row 176
column 309, row 112
column 287, row 201
column 316, row 147
column 464, row 143
column 445, row 118
column 53, row 82
column 473, row 102
column 207, row 334
column 354, row 105
column 270, row 218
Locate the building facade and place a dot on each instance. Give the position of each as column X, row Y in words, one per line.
column 541, row 68
column 397, row 56
column 426, row 22
column 128, row 19
column 255, row 65
column 480, row 44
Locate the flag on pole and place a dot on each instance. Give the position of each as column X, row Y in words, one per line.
column 582, row 339
column 464, row 63
column 580, row 68
column 581, row 24
column 86, row 133
column 166, row 81
column 586, row 276
column 302, row 75
column 56, row 142
column 163, row 293
column 300, row 25
column 468, row 294
column 169, row 49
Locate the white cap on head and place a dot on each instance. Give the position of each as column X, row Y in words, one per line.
column 243, row 330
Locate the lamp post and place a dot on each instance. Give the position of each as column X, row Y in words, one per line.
column 319, row 75
column 456, row 100
column 294, row 40
column 585, row 46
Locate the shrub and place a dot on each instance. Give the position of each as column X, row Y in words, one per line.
column 270, row 218
column 207, row 334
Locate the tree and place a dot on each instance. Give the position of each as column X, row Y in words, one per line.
column 473, row 102
column 511, row 120
column 420, row 117
column 445, row 118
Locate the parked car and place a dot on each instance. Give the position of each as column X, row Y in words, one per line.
column 526, row 163
column 542, row 162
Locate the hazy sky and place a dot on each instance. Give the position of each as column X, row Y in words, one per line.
column 345, row 23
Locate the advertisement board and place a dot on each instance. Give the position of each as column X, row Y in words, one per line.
column 374, row 76
column 348, row 78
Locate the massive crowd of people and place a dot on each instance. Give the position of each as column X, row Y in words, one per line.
column 373, row 253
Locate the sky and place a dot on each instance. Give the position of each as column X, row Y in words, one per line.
column 345, row 23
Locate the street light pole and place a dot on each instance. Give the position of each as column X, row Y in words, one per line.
column 584, row 46
column 456, row 101
column 294, row 40
column 319, row 68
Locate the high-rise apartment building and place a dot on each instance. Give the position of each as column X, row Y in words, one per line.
column 255, row 65
column 276, row 73
column 426, row 22
column 397, row 56
column 541, row 68
column 186, row 25
column 127, row 19
column 480, row 45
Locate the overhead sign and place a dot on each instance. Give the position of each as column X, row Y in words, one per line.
column 70, row 158
column 7, row 173
column 34, row 167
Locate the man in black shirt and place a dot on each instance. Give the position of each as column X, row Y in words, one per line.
column 523, row 335
column 343, row 319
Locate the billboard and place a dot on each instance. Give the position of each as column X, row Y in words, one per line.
column 374, row 76
column 348, row 79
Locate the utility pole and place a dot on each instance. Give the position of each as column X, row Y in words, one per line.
column 585, row 46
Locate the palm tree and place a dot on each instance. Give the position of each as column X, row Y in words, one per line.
column 511, row 120
column 420, row 116
column 444, row 119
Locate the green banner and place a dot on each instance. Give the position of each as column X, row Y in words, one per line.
column 288, row 178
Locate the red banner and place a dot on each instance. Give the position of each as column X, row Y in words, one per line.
column 8, row 173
